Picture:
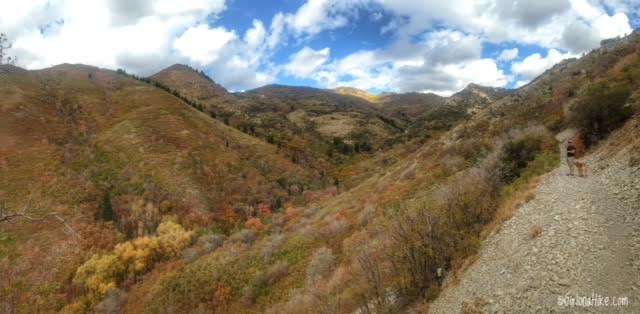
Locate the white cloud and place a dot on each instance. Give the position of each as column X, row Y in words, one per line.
column 526, row 21
column 612, row 26
column 435, row 45
column 203, row 45
column 530, row 13
column 508, row 54
column 277, row 30
column 578, row 37
column 315, row 16
column 306, row 61
column 140, row 36
column 99, row 32
column 535, row 64
column 448, row 58
column 443, row 62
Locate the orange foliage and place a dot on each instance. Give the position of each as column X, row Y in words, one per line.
column 254, row 224
column 221, row 296
column 227, row 216
column 291, row 213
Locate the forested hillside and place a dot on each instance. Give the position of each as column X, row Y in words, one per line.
column 169, row 194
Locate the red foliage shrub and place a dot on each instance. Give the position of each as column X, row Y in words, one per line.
column 264, row 209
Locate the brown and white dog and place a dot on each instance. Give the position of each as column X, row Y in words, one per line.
column 581, row 166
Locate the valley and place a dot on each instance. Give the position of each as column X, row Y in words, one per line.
column 171, row 194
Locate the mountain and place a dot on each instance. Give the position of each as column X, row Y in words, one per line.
column 322, row 99
column 190, row 82
column 137, row 196
column 199, row 89
column 351, row 119
column 75, row 137
column 314, row 127
column 350, row 91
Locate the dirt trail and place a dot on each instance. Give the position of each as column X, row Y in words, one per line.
column 590, row 243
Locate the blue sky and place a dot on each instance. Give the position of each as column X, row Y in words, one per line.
column 376, row 45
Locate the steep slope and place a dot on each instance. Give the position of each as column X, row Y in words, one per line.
column 192, row 228
column 74, row 138
column 409, row 106
column 198, row 87
column 142, row 130
column 350, row 91
column 421, row 210
column 315, row 128
column 349, row 118
column 588, row 242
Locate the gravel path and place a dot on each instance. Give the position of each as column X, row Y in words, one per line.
column 590, row 243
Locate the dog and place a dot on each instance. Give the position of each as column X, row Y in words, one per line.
column 581, row 166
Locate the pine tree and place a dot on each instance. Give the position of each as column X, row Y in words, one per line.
column 105, row 210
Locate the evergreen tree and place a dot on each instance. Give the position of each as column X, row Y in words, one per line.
column 105, row 210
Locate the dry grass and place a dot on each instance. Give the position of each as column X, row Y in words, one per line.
column 508, row 207
column 474, row 307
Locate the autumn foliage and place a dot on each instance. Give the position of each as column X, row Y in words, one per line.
column 254, row 224
column 128, row 260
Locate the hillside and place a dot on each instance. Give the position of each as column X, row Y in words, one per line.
column 574, row 226
column 120, row 195
column 313, row 127
column 332, row 115
column 182, row 78
column 73, row 136
column 350, row 91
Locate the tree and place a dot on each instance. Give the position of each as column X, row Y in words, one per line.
column 105, row 210
column 5, row 45
column 33, row 212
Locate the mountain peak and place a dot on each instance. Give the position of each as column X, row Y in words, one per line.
column 183, row 77
column 356, row 92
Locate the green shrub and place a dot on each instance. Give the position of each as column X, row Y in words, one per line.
column 602, row 110
column 8, row 246
column 517, row 154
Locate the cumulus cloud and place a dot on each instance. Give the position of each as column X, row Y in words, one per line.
column 443, row 62
column 444, row 47
column 451, row 78
column 535, row 64
column 203, row 45
column 531, row 13
column 305, row 62
column 508, row 54
column 141, row 36
column 446, row 59
column 578, row 36
column 434, row 45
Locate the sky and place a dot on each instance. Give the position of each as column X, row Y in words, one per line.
column 375, row 45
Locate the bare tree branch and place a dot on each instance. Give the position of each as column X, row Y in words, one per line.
column 27, row 213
